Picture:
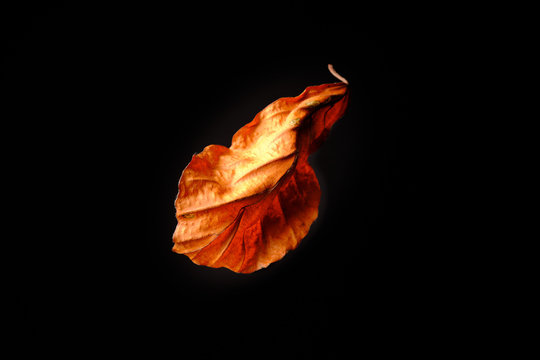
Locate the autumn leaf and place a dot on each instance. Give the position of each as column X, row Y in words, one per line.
column 244, row 207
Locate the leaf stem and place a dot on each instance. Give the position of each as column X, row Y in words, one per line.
column 334, row 72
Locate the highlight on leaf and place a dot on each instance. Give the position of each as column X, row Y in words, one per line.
column 245, row 206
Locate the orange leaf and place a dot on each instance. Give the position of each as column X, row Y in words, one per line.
column 244, row 207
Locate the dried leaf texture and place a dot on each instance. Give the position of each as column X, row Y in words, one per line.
column 244, row 207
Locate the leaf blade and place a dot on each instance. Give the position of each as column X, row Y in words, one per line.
column 244, row 207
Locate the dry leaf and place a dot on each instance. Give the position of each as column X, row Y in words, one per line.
column 244, row 207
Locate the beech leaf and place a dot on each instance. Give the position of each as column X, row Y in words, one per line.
column 245, row 206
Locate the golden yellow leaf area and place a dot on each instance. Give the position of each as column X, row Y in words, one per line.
column 244, row 207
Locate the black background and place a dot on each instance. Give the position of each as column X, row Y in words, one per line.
column 109, row 102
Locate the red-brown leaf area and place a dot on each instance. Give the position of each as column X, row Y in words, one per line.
column 244, row 207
